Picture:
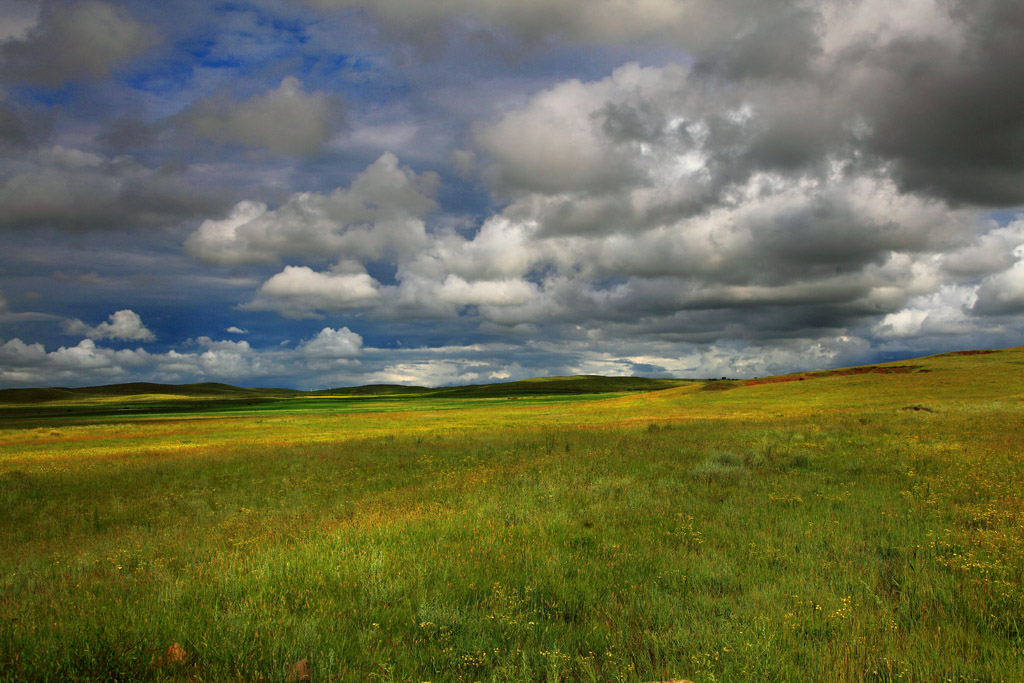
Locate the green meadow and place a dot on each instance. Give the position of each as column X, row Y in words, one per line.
column 855, row 525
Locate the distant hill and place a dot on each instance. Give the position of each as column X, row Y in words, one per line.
column 542, row 386
column 372, row 390
column 548, row 386
column 201, row 390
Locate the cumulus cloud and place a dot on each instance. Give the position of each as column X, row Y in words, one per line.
column 995, row 250
column 124, row 325
column 783, row 257
column 30, row 364
column 223, row 359
column 379, row 214
column 19, row 354
column 331, row 344
column 285, row 121
column 1002, row 293
column 943, row 313
column 298, row 291
column 75, row 40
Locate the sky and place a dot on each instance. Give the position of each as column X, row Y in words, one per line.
column 324, row 193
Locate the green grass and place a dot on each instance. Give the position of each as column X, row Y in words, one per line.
column 815, row 529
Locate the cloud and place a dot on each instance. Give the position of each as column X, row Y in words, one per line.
column 31, row 365
column 784, row 257
column 23, row 364
column 928, row 88
column 944, row 110
column 73, row 41
column 236, row 330
column 378, row 214
column 330, row 344
column 1002, row 293
column 993, row 251
column 17, row 353
column 656, row 141
column 464, row 161
column 124, row 325
column 678, row 203
column 13, row 133
column 17, row 17
column 224, row 359
column 285, row 121
column 943, row 313
column 9, row 316
column 71, row 189
column 734, row 36
column 298, row 291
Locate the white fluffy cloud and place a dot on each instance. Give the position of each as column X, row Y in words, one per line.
column 942, row 313
column 125, row 325
column 379, row 215
column 30, row 364
column 285, row 121
column 1002, row 293
column 331, row 344
column 222, row 360
column 299, row 291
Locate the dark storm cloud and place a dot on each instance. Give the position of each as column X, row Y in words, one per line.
column 952, row 116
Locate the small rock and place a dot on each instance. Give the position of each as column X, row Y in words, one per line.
column 300, row 672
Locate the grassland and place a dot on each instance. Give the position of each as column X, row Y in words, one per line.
column 838, row 526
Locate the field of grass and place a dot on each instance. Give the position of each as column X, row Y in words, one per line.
column 836, row 526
